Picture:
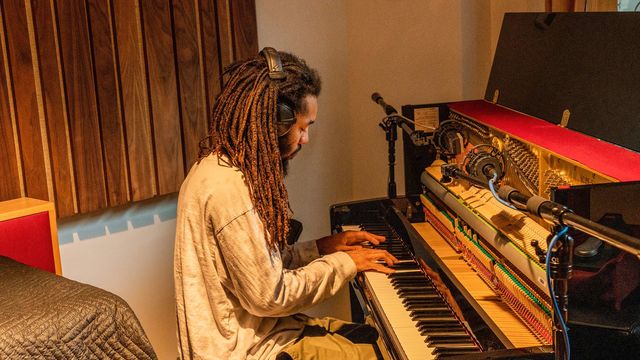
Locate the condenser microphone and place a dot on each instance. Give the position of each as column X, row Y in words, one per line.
column 388, row 109
column 449, row 139
column 485, row 161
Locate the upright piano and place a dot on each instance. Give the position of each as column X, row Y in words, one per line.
column 560, row 111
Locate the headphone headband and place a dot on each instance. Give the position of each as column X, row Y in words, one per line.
column 285, row 115
column 276, row 71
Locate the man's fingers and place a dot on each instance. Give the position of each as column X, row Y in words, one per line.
column 383, row 255
column 349, row 247
column 373, row 238
column 381, row 268
column 359, row 237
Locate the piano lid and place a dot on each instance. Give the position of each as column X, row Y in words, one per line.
column 586, row 63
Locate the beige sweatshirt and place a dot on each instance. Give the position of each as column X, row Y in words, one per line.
column 237, row 299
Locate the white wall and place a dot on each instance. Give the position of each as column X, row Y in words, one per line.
column 411, row 53
column 129, row 252
column 315, row 31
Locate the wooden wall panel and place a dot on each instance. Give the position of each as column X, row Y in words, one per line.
column 164, row 94
column 53, row 100
column 135, row 99
column 190, row 77
column 105, row 101
column 109, row 102
column 26, row 104
column 10, row 185
column 84, row 125
column 210, row 52
column 224, row 31
column 245, row 29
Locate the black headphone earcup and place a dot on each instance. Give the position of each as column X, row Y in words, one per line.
column 286, row 117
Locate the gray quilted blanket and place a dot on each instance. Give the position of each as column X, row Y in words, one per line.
column 44, row 316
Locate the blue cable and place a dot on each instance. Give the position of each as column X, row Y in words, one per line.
column 495, row 195
column 565, row 331
column 552, row 243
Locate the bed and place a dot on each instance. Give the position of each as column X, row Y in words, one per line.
column 46, row 316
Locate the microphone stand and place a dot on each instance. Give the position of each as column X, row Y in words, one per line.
column 560, row 271
column 561, row 263
column 389, row 125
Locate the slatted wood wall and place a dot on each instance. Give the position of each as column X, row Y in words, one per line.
column 103, row 102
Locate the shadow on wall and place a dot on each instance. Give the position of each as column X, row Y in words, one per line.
column 129, row 252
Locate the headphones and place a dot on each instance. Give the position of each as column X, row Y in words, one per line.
column 286, row 115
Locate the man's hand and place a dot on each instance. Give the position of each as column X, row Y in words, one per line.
column 372, row 259
column 346, row 241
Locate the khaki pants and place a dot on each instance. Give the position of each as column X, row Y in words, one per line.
column 333, row 339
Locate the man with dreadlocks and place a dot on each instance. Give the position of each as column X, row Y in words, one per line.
column 239, row 286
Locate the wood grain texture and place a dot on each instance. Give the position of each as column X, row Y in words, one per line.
column 225, row 36
column 53, row 100
column 135, row 101
column 210, row 53
column 10, row 180
column 104, row 102
column 26, row 104
column 163, row 89
column 107, row 91
column 84, row 127
column 190, row 78
column 244, row 28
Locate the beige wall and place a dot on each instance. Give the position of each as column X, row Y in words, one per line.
column 411, row 52
column 316, row 31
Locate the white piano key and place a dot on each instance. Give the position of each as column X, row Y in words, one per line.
column 398, row 317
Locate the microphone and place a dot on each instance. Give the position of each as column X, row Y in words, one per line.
column 484, row 161
column 449, row 139
column 388, row 109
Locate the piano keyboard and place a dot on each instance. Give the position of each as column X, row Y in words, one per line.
column 413, row 308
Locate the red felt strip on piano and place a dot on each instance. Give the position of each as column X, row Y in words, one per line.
column 603, row 157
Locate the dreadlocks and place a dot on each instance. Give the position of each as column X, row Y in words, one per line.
column 243, row 127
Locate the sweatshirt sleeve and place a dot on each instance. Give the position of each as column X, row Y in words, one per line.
column 261, row 283
column 300, row 254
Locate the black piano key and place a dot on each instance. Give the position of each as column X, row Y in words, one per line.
column 421, row 296
column 439, row 324
column 410, row 290
column 411, row 280
column 449, row 353
column 448, row 339
column 404, row 278
column 434, row 317
column 406, row 274
column 427, row 309
column 444, row 347
column 408, row 277
column 424, row 331
column 420, row 305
